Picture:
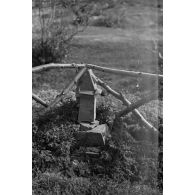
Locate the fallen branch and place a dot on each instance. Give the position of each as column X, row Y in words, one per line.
column 144, row 100
column 65, row 90
column 39, row 100
column 125, row 102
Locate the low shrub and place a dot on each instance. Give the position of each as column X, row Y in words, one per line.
column 48, row 51
column 104, row 114
column 53, row 35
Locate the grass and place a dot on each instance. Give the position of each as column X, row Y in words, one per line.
column 135, row 163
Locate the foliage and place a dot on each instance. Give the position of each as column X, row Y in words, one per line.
column 105, row 113
column 49, row 51
column 133, row 166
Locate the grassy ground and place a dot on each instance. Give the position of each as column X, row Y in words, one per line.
column 135, row 167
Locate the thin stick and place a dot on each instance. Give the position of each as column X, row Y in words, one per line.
column 98, row 68
column 65, row 90
column 125, row 102
column 144, row 100
column 39, row 100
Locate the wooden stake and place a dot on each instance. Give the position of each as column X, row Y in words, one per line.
column 65, row 90
column 39, row 100
column 126, row 102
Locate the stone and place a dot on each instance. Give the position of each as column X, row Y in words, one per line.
column 93, row 138
column 88, row 126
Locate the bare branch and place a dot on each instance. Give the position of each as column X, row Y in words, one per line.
column 123, row 72
column 53, row 66
column 103, row 69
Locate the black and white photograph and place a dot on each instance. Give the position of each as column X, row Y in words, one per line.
column 97, row 90
column 97, row 97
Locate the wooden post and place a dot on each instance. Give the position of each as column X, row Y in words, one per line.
column 87, row 99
